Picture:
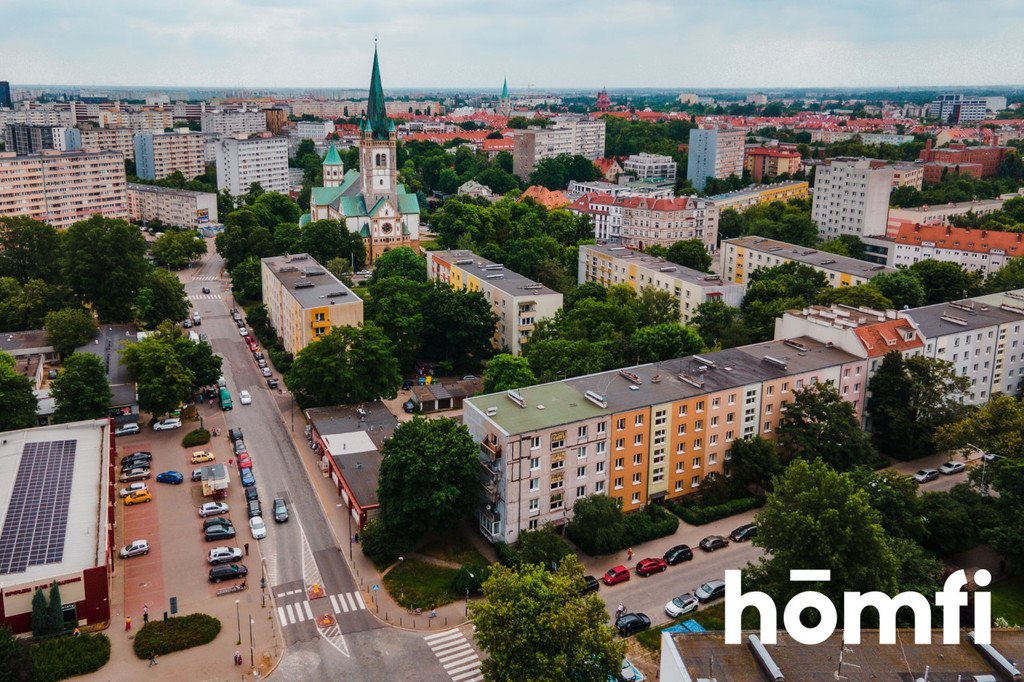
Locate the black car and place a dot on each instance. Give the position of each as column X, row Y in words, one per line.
column 632, row 623
column 206, row 290
column 133, row 461
column 251, row 494
column 744, row 532
column 590, row 584
column 217, row 521
column 713, row 542
column 255, row 508
column 235, row 434
column 407, row 384
column 227, row 572
column 271, row 382
column 677, row 554
column 280, row 510
column 218, row 533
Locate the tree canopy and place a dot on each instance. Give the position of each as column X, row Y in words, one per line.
column 505, row 372
column 69, row 329
column 818, row 423
column 178, row 249
column 81, row 389
column 104, row 263
column 19, row 411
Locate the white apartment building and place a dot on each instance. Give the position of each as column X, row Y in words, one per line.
column 984, row 251
column 157, row 155
column 851, row 197
column 714, row 153
column 180, row 207
column 649, row 166
column 519, row 302
column 959, row 108
column 233, row 122
column 240, row 163
column 137, row 121
column 62, row 188
column 609, row 265
column 583, row 137
column 605, row 212
column 577, row 188
column 118, row 139
column 940, row 214
column 313, row 130
column 49, row 117
column 743, row 256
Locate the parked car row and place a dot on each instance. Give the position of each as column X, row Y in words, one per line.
column 947, row 469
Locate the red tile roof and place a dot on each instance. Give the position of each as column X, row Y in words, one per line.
column 545, row 197
column 878, row 339
column 505, row 144
column 960, row 238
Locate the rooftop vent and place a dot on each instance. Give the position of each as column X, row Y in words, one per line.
column 287, row 268
column 774, row 362
column 533, row 287
column 517, row 398
column 304, row 284
column 828, row 261
column 667, row 269
column 498, row 276
column 493, row 266
column 774, row 249
column 693, row 381
column 796, row 344
column 704, row 361
column 313, row 272
column 491, row 411
column 625, row 373
column 954, row 319
column 294, row 258
column 335, row 294
column 596, row 398
column 464, row 261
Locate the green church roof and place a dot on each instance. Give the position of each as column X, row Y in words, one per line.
column 504, row 89
column 376, row 122
column 332, row 158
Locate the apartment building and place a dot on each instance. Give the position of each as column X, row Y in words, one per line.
column 137, row 121
column 714, row 153
column 62, row 188
column 233, row 122
column 191, row 111
column 313, row 130
column 519, row 302
column 639, row 434
column 577, row 188
column 765, row 163
column 116, row 139
column 158, row 155
column 742, row 199
column 180, row 207
column 646, row 166
column 304, row 300
column 663, row 222
column 851, row 197
column 907, row 175
column 941, row 214
column 609, row 265
column 984, row 251
column 583, row 137
column 240, row 163
column 605, row 212
column 47, row 117
column 23, row 138
column 277, row 120
column 958, row 108
column 957, row 156
column 5, row 96
column 742, row 256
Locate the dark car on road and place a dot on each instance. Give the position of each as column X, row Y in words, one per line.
column 646, row 567
column 218, row 533
column 678, row 554
column 255, row 508
column 251, row 494
column 590, row 584
column 631, row 623
column 227, row 572
column 744, row 532
column 280, row 510
column 271, row 382
column 235, row 434
column 713, row 542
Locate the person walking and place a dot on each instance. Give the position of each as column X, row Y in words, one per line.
column 629, row 554
column 152, row 660
column 145, row 613
column 247, row 549
column 127, row 623
column 619, row 611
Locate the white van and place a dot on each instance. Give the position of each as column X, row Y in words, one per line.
column 196, row 319
column 193, row 337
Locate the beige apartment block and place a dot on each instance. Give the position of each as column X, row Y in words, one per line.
column 158, row 155
column 304, row 300
column 233, row 122
column 240, row 163
column 583, row 137
column 137, row 121
column 743, row 256
column 851, row 196
column 170, row 206
column 519, row 302
column 117, row 139
column 62, row 188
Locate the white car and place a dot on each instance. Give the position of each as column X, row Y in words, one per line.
column 134, row 487
column 245, row 398
column 134, row 548
column 363, row 273
column 167, row 424
column 127, row 430
column 682, row 604
column 224, row 555
column 258, row 528
column 925, row 475
column 266, row 372
column 212, row 509
column 950, row 468
column 242, row 331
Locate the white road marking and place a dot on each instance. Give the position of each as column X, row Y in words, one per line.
column 309, row 611
column 456, row 655
column 359, row 598
column 334, row 603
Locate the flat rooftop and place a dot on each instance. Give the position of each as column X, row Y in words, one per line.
column 27, row 342
column 756, row 189
column 154, row 189
column 301, row 269
column 493, row 274
column 660, row 266
column 964, row 315
column 107, row 345
column 53, row 500
column 812, row 257
column 354, row 435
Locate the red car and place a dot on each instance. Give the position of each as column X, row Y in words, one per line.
column 646, row 567
column 619, row 574
column 244, row 461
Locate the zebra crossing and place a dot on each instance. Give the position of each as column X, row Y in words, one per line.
column 203, row 297
column 290, row 614
column 206, row 278
column 456, row 655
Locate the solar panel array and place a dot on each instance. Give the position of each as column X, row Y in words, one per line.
column 37, row 516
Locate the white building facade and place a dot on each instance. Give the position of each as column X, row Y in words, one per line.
column 240, row 163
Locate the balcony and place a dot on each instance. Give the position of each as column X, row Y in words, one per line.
column 491, row 472
column 491, row 492
column 490, row 445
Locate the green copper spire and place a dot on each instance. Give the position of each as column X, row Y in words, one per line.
column 332, row 158
column 504, row 89
column 376, row 120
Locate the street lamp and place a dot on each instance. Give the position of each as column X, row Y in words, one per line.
column 238, row 618
column 252, row 646
column 471, row 577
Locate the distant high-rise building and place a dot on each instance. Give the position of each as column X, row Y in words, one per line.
column 234, row 122
column 157, row 155
column 583, row 137
column 958, row 108
column 23, row 138
column 5, row 95
column 851, row 196
column 714, row 153
column 650, row 166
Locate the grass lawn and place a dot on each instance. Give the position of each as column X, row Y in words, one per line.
column 417, row 584
column 1008, row 600
column 456, row 548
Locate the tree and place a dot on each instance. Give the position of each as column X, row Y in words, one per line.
column 161, row 297
column 1010, row 276
column 327, row 239
column 557, row 172
column 69, row 329
column 458, row 326
column 199, row 359
column 342, row 269
column 902, row 287
column 429, row 477
column 395, row 305
column 1007, row 537
column 554, row 359
column 654, row 306
column 944, row 281
column 274, row 208
column 162, row 381
column 81, row 390
column 247, row 280
column 400, row 262
column 505, row 372
column 598, row 525
column 346, row 365
column 731, row 224
column 536, row 625
column 103, row 260
column 665, row 341
column 16, row 663
column 950, row 527
column 819, row 423
column 690, row 253
column 29, row 249
column 996, row 427
column 40, row 614
column 56, row 609
column 895, row 497
column 755, row 462
column 817, row 518
column 19, row 403
column 543, row 546
column 720, row 325
column 866, row 295
column 178, row 249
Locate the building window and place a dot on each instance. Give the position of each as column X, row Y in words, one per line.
column 700, row 405
column 682, row 430
column 556, row 502
column 535, row 463
column 638, row 439
column 698, row 425
column 581, row 472
column 682, row 410
column 532, row 525
column 695, row 482
column 620, row 424
column 558, row 441
column 601, row 447
column 638, row 420
column 599, row 487
column 581, row 491
column 680, row 448
column 696, row 463
column 535, row 443
column 620, row 462
column 599, row 467
column 715, row 402
column 679, row 486
column 534, row 485
column 534, row 505
column 581, row 433
column 618, row 483
column 581, row 452
column 636, row 479
column 600, row 428
column 697, row 443
column 636, row 498
column 638, row 458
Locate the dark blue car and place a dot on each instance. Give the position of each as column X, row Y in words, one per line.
column 248, row 480
column 172, row 477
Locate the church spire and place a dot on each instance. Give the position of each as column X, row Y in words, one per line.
column 376, row 121
column 504, row 89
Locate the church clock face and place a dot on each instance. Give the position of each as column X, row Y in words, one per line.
column 386, row 228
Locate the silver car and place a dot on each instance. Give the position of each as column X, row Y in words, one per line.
column 213, row 509
column 224, row 555
column 134, row 548
column 683, row 604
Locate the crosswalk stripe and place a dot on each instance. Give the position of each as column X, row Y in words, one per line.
column 468, row 676
column 334, row 603
column 351, row 601
column 464, row 667
column 448, row 647
column 309, row 611
column 458, row 658
column 291, row 616
column 359, row 598
column 440, row 635
column 280, row 616
column 341, row 600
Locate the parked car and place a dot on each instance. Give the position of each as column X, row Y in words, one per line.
column 197, row 474
column 138, row 497
column 187, row 324
column 224, row 555
column 172, row 477
column 134, row 487
column 235, row 434
column 631, row 623
column 217, row 521
column 214, row 533
column 251, row 494
column 280, row 510
column 257, row 527
column 204, row 338
column 138, row 453
column 407, row 384
column 240, row 447
column 469, row 377
column 134, row 548
column 590, row 584
column 261, row 363
column 266, row 372
column 681, row 605
column 744, row 532
column 247, row 478
column 134, row 462
column 713, row 542
column 127, row 430
column 202, row 456
column 245, row 397
column 409, row 406
column 678, row 554
column 619, row 574
column 271, row 382
column 950, row 468
column 244, row 461
column 206, row 290
column 710, row 591
column 212, row 509
column 167, row 424
column 363, row 273
column 228, row 572
column 255, row 508
column 242, row 331
column 649, row 566
column 140, row 474
column 925, row 475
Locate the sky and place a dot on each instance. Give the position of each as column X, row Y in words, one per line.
column 537, row 44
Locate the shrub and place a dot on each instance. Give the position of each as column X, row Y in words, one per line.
column 196, row 437
column 650, row 523
column 470, row 579
column 507, row 554
column 282, row 360
column 542, row 546
column 162, row 637
column 600, row 527
column 378, row 545
column 62, row 657
column 698, row 516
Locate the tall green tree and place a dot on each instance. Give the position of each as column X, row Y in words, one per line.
column 19, row 403
column 866, row 295
column 81, row 389
column 458, row 326
column 178, row 249
column 536, row 625
column 346, row 365
column 505, row 372
column 29, row 249
column 327, row 239
column 274, row 208
column 429, row 477
column 690, row 253
column 1007, row 537
column 56, row 607
column 755, row 462
column 895, row 497
column 247, row 280
column 665, row 341
column 41, row 622
column 903, row 288
column 400, row 262
column 945, row 281
column 819, row 423
column 16, row 664
column 1010, row 276
column 554, row 359
column 103, row 261
column 395, row 305
column 199, row 359
column 161, row 297
column 69, row 329
column 162, row 381
column 996, row 427
column 720, row 325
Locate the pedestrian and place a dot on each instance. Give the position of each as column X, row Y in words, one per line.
column 629, row 554
column 247, row 549
column 127, row 623
column 238, row 658
column 152, row 660
column 145, row 613
column 77, row 632
column 619, row 611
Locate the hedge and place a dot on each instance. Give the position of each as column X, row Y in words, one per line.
column 194, row 438
column 600, row 526
column 378, row 544
column 162, row 637
column 59, row 658
column 650, row 523
column 508, row 555
column 698, row 516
